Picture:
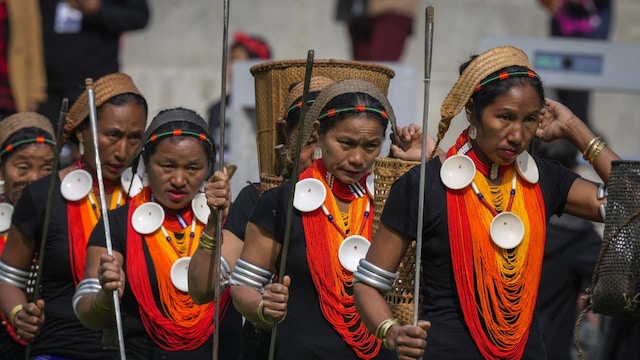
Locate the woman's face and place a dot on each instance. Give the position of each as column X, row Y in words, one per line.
column 177, row 169
column 120, row 130
column 508, row 125
column 27, row 164
column 351, row 146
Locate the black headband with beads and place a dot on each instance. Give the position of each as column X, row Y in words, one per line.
column 506, row 75
column 37, row 140
column 358, row 109
column 179, row 132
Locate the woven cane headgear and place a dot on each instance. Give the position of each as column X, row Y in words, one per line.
column 16, row 122
column 105, row 88
column 341, row 87
column 478, row 69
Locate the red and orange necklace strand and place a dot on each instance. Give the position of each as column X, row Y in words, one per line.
column 82, row 217
column 331, row 279
column 179, row 324
column 497, row 288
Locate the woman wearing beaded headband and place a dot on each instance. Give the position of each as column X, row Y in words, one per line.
column 255, row 341
column 484, row 221
column 351, row 117
column 26, row 154
column 154, row 237
column 75, row 210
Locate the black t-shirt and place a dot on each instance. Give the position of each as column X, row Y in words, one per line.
column 449, row 337
column 305, row 333
column 240, row 210
column 138, row 344
column 62, row 334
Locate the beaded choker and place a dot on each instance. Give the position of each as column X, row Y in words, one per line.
column 341, row 190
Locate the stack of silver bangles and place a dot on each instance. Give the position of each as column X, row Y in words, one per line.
column 602, row 194
column 13, row 276
column 225, row 272
column 245, row 273
column 86, row 286
column 374, row 276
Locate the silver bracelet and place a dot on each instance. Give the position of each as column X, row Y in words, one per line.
column 250, row 275
column 383, row 288
column 366, row 264
column 13, row 276
column 86, row 286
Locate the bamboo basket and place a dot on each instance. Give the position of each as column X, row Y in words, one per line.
column 272, row 81
column 400, row 299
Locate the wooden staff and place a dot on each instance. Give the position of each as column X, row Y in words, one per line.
column 47, row 210
column 93, row 119
column 294, row 180
column 223, row 120
column 425, row 115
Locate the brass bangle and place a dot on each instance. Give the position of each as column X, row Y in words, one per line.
column 207, row 242
column 586, row 154
column 260, row 313
column 596, row 151
column 99, row 306
column 383, row 329
column 12, row 315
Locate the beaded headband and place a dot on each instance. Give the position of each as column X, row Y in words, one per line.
column 174, row 115
column 179, row 132
column 37, row 140
column 357, row 109
column 506, row 75
column 348, row 86
column 296, row 106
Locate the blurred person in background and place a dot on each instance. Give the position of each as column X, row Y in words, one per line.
column 22, row 77
column 585, row 19
column 244, row 47
column 378, row 28
column 570, row 254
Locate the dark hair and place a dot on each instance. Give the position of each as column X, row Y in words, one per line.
column 151, row 147
column 23, row 134
column 486, row 95
column 560, row 150
column 293, row 117
column 118, row 100
column 351, row 100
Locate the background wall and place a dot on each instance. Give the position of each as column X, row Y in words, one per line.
column 176, row 60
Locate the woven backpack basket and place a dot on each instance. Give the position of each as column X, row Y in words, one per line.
column 400, row 299
column 615, row 287
column 272, row 81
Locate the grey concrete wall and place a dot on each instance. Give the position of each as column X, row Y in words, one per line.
column 176, row 61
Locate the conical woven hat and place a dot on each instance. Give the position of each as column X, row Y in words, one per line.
column 479, row 68
column 16, row 122
column 105, row 88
